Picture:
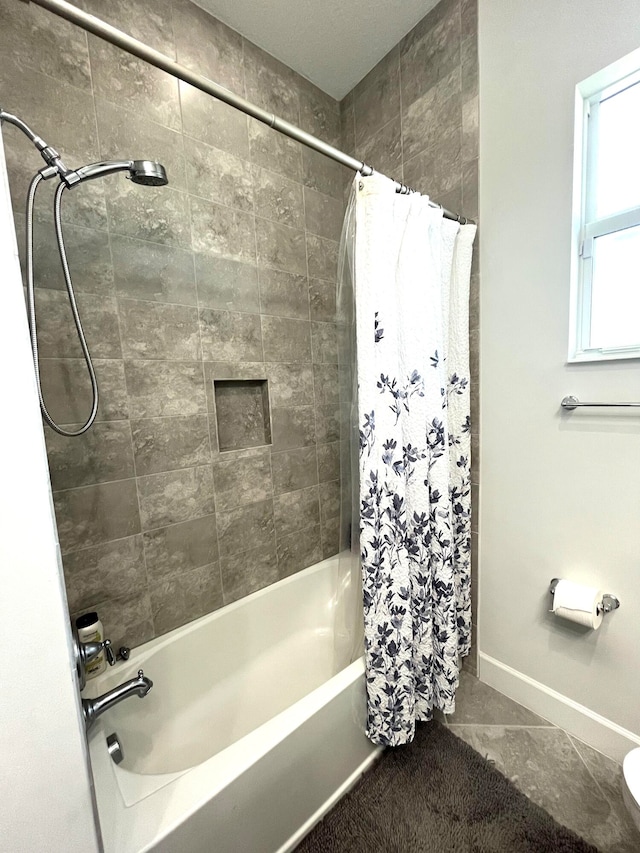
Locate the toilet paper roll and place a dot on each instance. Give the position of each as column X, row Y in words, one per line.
column 578, row 603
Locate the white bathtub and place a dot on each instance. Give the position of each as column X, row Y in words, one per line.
column 253, row 729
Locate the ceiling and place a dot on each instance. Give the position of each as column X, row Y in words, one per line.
column 333, row 43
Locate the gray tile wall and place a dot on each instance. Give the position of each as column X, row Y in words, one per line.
column 415, row 118
column 227, row 273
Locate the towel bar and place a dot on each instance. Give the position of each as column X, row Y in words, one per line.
column 570, row 403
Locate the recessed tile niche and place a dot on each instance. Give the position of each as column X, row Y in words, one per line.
column 242, row 413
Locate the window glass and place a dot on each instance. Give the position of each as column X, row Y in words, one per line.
column 618, row 152
column 615, row 290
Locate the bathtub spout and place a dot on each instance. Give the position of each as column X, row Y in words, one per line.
column 93, row 708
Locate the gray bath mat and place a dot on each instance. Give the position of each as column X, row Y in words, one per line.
column 437, row 795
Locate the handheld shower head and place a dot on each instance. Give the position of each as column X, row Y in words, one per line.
column 146, row 172
column 149, row 173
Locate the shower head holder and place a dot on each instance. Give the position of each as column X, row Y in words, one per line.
column 48, row 152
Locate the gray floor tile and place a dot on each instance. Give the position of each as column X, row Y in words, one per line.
column 606, row 772
column 547, row 764
column 479, row 704
column 619, row 834
column 544, row 765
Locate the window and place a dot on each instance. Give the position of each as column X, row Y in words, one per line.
column 606, row 245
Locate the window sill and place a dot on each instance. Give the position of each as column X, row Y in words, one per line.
column 591, row 356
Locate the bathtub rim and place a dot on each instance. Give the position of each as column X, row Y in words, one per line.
column 143, row 652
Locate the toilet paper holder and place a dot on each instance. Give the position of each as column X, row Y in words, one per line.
column 609, row 602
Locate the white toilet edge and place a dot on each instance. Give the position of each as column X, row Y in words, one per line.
column 631, row 775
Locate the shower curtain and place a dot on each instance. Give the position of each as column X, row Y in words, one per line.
column 411, row 270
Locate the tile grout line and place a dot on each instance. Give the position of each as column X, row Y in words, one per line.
column 198, row 308
column 315, row 397
column 597, row 784
column 120, row 359
column 139, row 533
column 253, row 166
column 401, row 116
column 137, row 476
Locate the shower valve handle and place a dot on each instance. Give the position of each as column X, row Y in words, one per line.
column 89, row 651
column 85, row 652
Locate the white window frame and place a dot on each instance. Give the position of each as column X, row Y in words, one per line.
column 586, row 227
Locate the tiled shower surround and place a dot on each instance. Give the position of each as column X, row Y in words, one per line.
column 415, row 118
column 227, row 274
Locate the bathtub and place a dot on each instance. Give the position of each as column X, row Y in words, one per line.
column 252, row 731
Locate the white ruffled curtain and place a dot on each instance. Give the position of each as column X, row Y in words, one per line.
column 412, row 272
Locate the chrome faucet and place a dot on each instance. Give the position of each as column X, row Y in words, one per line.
column 86, row 652
column 92, row 708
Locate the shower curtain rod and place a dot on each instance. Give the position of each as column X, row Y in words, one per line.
column 137, row 48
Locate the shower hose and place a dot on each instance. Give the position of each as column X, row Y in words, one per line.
column 31, row 304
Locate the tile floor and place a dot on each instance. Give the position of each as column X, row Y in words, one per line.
column 580, row 787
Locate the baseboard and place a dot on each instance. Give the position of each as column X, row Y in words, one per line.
column 597, row 731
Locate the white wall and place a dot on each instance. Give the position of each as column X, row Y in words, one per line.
column 46, row 790
column 560, row 494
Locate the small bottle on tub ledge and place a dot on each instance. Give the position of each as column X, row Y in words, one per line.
column 90, row 630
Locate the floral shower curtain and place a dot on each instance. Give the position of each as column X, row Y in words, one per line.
column 412, row 272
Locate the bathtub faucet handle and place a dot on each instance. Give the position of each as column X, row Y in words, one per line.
column 89, row 651
column 108, row 650
column 84, row 653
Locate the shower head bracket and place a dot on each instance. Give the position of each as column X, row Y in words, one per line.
column 49, row 154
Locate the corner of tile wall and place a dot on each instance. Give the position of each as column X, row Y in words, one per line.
column 414, row 116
